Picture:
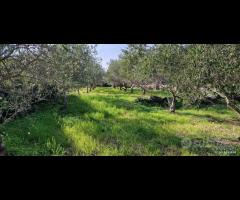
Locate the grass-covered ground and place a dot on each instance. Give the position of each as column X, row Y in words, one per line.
column 108, row 122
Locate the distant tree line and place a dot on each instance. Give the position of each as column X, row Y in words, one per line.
column 193, row 72
column 32, row 73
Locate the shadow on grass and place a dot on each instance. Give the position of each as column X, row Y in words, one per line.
column 41, row 132
column 134, row 136
column 38, row 133
column 125, row 104
column 136, row 91
column 211, row 118
column 127, row 136
column 138, row 135
column 77, row 106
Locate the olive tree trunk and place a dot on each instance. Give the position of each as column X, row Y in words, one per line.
column 65, row 102
column 143, row 90
column 172, row 107
column 132, row 89
column 230, row 103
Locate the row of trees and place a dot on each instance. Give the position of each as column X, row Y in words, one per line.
column 191, row 72
column 31, row 73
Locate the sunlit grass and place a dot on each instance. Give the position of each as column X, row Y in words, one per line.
column 108, row 121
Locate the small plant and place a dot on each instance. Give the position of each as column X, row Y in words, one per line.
column 54, row 148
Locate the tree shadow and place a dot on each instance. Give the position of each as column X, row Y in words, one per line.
column 41, row 132
column 127, row 136
column 133, row 136
column 125, row 104
column 77, row 106
column 211, row 118
column 37, row 134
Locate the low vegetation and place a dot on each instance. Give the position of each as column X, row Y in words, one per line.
column 109, row 121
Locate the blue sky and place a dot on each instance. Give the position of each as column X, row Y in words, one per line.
column 109, row 51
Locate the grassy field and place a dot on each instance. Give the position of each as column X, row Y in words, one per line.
column 108, row 122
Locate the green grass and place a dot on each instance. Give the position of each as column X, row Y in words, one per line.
column 107, row 121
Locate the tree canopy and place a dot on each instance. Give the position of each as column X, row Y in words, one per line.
column 31, row 73
column 192, row 71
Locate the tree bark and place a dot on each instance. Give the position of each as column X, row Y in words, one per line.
column 143, row 90
column 172, row 107
column 230, row 103
column 65, row 102
column 131, row 89
column 234, row 108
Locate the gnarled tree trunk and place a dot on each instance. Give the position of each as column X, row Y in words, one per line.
column 65, row 102
column 234, row 108
column 143, row 90
column 230, row 103
column 172, row 107
column 132, row 89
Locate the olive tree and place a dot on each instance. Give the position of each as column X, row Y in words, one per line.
column 137, row 69
column 166, row 66
column 31, row 73
column 214, row 68
column 117, row 74
column 18, row 64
